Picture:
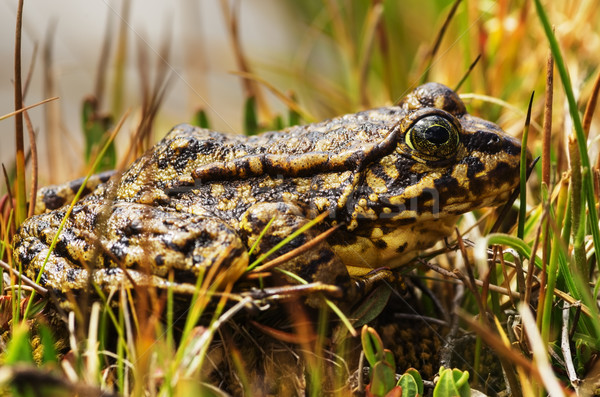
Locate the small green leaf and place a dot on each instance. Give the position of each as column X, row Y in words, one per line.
column 462, row 379
column 294, row 118
column 388, row 357
column 383, row 378
column 96, row 129
column 372, row 345
column 409, row 385
column 250, row 117
column 367, row 345
column 19, row 347
column 372, row 306
column 278, row 123
column 417, row 377
column 452, row 383
column 201, row 119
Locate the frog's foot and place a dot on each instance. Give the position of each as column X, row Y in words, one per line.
column 135, row 243
column 382, row 277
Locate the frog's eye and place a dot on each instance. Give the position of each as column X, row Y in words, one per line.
column 434, row 136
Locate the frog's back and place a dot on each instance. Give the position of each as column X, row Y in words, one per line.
column 188, row 152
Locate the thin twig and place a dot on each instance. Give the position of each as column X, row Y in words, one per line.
column 34, row 164
column 296, row 251
column 472, row 283
column 252, row 90
column 425, row 319
column 464, row 78
column 20, row 194
column 547, row 129
column 496, row 344
column 438, row 40
column 591, row 106
column 102, row 68
column 11, row 206
column 565, row 346
column 499, row 253
column 26, row 280
column 453, row 275
column 7, row 115
column 531, row 264
column 434, row 299
column 449, row 347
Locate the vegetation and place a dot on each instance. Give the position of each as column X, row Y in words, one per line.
column 517, row 309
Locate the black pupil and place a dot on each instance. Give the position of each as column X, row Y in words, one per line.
column 436, row 134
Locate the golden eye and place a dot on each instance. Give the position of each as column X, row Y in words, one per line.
column 433, row 136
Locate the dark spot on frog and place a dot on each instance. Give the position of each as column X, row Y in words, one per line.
column 342, row 238
column 273, row 240
column 159, row 260
column 52, row 200
column 134, row 227
column 381, row 244
column 76, row 185
column 474, row 166
column 427, row 201
column 43, row 278
column 401, row 248
column 493, row 177
column 487, row 142
column 447, row 187
column 204, row 239
column 179, row 156
column 325, row 256
column 29, row 254
column 62, row 245
column 72, row 274
column 120, row 247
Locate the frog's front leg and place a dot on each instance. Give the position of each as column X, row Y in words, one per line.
column 319, row 264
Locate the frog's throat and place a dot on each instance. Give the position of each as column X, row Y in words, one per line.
column 394, row 248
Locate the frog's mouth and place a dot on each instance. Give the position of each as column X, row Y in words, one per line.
column 461, row 207
column 437, row 208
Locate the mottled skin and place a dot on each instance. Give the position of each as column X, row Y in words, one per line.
column 396, row 177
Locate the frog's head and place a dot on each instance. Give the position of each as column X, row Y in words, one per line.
column 445, row 163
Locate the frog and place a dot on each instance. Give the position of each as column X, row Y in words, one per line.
column 391, row 181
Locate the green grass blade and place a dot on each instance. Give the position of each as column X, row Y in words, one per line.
column 287, row 240
column 19, row 348
column 588, row 185
column 260, row 236
column 523, row 174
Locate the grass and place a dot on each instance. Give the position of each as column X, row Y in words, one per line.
column 370, row 53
